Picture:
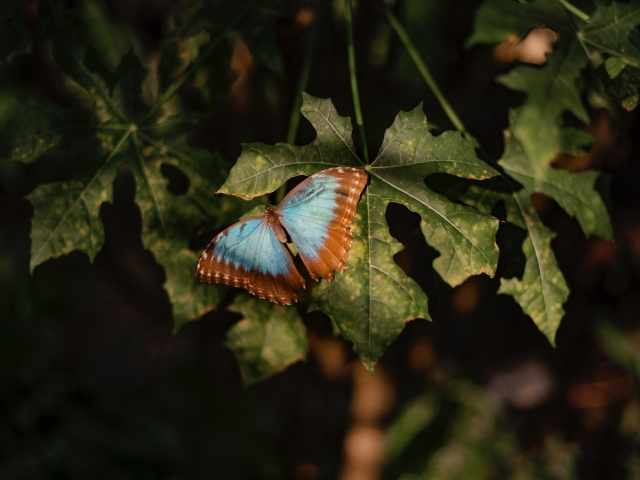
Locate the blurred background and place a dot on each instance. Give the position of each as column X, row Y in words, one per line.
column 94, row 382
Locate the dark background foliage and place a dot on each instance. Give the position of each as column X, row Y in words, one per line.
column 95, row 383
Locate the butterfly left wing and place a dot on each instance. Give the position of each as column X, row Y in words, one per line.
column 317, row 214
column 249, row 255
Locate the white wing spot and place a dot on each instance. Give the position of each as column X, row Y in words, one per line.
column 202, row 272
column 340, row 170
column 204, row 255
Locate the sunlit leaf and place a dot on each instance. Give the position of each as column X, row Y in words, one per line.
column 550, row 90
column 372, row 299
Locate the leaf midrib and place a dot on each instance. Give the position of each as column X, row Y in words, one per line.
column 82, row 193
column 437, row 213
column 536, row 248
column 559, row 187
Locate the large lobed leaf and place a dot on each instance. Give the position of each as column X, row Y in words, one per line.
column 372, row 299
column 78, row 150
column 556, row 87
column 542, row 290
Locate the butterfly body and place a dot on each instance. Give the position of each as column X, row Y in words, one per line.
column 316, row 216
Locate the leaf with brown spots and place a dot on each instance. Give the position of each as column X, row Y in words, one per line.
column 373, row 298
column 541, row 290
column 73, row 153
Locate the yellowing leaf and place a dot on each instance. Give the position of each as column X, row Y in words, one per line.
column 372, row 299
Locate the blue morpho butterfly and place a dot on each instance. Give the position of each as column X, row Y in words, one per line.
column 316, row 215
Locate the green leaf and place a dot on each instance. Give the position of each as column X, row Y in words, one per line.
column 542, row 289
column 497, row 21
column 574, row 141
column 409, row 153
column 97, row 26
column 263, row 168
column 179, row 51
column 614, row 65
column 77, row 152
column 372, row 299
column 621, row 88
column 555, row 87
column 550, row 90
column 267, row 340
column 611, row 29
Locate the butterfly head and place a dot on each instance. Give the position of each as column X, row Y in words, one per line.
column 272, row 218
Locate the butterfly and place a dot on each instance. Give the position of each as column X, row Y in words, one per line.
column 316, row 215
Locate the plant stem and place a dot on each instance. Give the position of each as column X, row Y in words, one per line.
column 171, row 91
column 575, row 10
column 305, row 70
column 348, row 13
column 424, row 71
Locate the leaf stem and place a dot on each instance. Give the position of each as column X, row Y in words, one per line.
column 424, row 70
column 575, row 10
column 305, row 70
column 171, row 91
column 348, row 13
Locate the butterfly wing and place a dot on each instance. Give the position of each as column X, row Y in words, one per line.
column 249, row 255
column 317, row 214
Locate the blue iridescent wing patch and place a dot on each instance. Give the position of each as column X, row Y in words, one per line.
column 249, row 255
column 317, row 215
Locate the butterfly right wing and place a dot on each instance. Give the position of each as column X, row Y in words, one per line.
column 318, row 213
column 249, row 255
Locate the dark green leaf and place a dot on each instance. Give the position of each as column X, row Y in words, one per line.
column 98, row 27
column 85, row 148
column 614, row 65
column 542, row 290
column 611, row 30
column 267, row 340
column 622, row 88
column 498, row 21
column 574, row 141
column 555, row 87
